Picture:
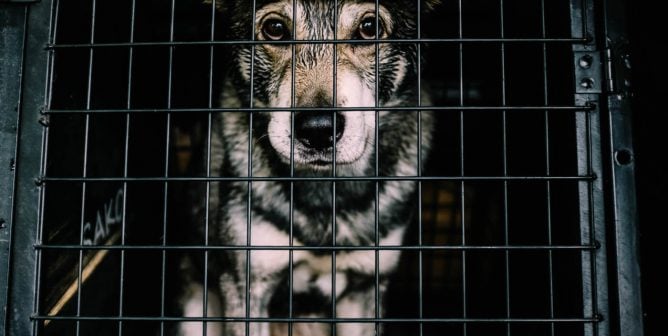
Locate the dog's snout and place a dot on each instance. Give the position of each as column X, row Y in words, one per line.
column 317, row 129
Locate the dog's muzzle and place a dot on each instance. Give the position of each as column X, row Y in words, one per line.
column 317, row 138
column 317, row 130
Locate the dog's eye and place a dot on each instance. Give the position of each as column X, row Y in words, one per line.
column 275, row 29
column 368, row 30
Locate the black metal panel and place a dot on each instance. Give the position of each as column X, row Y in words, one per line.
column 25, row 234
column 12, row 28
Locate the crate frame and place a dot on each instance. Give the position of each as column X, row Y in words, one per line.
column 605, row 163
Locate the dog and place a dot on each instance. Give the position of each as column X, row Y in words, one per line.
column 328, row 160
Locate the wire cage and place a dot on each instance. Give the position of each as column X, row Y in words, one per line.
column 510, row 215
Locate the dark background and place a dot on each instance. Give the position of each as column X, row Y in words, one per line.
column 650, row 70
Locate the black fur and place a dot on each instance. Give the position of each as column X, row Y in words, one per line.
column 312, row 202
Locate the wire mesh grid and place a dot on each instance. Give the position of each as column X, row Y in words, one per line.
column 503, row 236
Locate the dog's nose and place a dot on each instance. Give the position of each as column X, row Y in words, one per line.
column 316, row 129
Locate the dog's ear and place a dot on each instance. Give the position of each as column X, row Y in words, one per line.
column 218, row 3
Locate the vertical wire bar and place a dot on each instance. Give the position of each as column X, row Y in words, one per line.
column 585, row 19
column 291, row 210
column 85, row 164
column 419, row 166
column 504, row 126
column 168, row 125
column 592, row 221
column 585, row 210
column 55, row 9
column 123, row 225
column 205, row 302
column 39, row 235
column 250, row 168
column 40, row 220
column 123, row 222
column 548, row 184
column 334, row 100
column 52, row 53
column 128, row 105
column 376, row 270
column 461, row 162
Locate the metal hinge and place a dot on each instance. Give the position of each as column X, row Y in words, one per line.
column 618, row 68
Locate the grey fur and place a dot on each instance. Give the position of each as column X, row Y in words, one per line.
column 312, row 208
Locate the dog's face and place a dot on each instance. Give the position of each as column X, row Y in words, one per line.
column 315, row 82
column 319, row 75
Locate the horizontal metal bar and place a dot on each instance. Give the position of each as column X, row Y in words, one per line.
column 577, row 108
column 46, row 179
column 318, row 320
column 571, row 40
column 320, row 248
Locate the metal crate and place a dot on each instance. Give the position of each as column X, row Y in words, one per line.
column 526, row 221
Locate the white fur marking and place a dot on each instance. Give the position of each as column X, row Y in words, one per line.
column 266, row 262
column 193, row 307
